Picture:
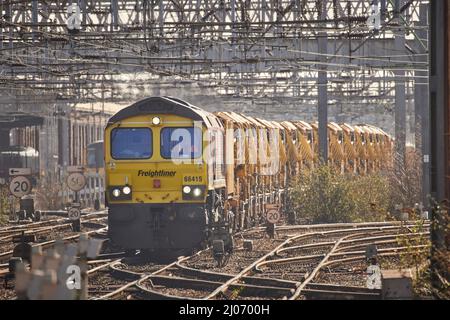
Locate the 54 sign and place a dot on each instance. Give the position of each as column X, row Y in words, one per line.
column 76, row 181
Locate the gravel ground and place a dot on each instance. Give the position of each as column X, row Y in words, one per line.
column 179, row 292
column 238, row 260
column 294, row 271
column 304, row 252
column 351, row 275
column 7, row 292
column 102, row 282
column 140, row 266
column 354, row 273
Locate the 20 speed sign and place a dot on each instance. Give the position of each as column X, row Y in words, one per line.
column 74, row 214
column 20, row 186
column 76, row 181
column 273, row 215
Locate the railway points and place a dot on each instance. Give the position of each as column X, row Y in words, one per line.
column 224, row 150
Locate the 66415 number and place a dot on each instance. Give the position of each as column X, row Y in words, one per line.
column 193, row 179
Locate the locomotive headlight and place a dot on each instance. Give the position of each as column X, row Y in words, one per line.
column 126, row 190
column 186, row 189
column 197, row 192
column 116, row 193
column 156, row 121
column 121, row 192
column 193, row 192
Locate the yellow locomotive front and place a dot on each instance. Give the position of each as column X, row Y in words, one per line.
column 161, row 169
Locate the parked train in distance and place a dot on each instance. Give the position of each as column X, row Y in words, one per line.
column 19, row 157
column 95, row 168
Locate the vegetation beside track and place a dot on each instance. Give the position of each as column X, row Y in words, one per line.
column 323, row 195
column 48, row 196
column 4, row 205
column 420, row 263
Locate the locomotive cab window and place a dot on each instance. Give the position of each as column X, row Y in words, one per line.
column 131, row 143
column 181, row 143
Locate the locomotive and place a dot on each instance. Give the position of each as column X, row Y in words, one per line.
column 178, row 177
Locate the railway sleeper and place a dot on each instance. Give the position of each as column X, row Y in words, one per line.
column 235, row 290
column 339, row 295
column 125, row 275
column 222, row 277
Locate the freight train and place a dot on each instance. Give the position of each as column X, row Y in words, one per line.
column 179, row 177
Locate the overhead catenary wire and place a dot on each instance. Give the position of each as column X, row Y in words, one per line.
column 151, row 66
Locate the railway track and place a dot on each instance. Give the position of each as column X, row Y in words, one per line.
column 28, row 226
column 302, row 268
column 291, row 269
column 123, row 269
column 93, row 226
column 130, row 288
column 43, row 232
column 98, row 231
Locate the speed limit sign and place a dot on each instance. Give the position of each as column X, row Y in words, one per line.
column 272, row 213
column 76, row 181
column 20, row 186
column 273, row 216
column 74, row 213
